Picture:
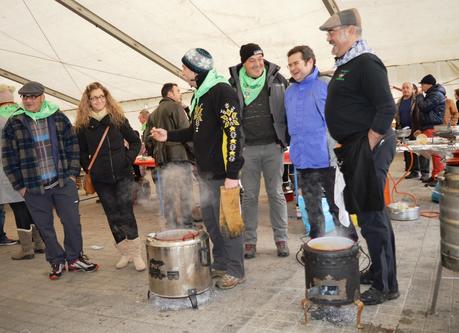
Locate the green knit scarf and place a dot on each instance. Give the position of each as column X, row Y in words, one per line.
column 251, row 87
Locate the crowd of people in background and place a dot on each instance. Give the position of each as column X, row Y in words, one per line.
column 236, row 132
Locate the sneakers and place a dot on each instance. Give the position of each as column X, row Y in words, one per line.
column 5, row 241
column 413, row 175
column 427, row 179
column 82, row 264
column 228, row 281
column 282, row 249
column 56, row 271
column 217, row 273
column 431, row 183
column 250, row 251
column 374, row 296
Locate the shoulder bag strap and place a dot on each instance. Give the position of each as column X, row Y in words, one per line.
column 93, row 158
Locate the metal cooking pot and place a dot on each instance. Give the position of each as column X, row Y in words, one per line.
column 179, row 262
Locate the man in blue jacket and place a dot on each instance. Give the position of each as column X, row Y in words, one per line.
column 309, row 148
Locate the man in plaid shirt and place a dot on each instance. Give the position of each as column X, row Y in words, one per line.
column 41, row 159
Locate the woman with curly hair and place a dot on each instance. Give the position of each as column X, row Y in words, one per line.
column 111, row 171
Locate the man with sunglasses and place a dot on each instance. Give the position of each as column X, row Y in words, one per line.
column 41, row 159
column 359, row 111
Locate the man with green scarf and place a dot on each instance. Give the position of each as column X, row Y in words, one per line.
column 260, row 88
column 216, row 135
column 41, row 159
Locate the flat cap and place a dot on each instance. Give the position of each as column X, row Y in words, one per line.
column 344, row 17
column 32, row 88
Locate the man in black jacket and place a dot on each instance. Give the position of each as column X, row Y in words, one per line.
column 260, row 88
column 216, row 134
column 431, row 112
column 172, row 157
column 359, row 112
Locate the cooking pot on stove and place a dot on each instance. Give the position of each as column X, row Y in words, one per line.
column 332, row 270
column 178, row 262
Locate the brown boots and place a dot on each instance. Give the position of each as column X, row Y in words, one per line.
column 130, row 250
column 31, row 243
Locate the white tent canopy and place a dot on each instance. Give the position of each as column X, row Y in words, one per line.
column 44, row 41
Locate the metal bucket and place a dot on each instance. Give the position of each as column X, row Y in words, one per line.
column 449, row 218
column 332, row 270
column 179, row 262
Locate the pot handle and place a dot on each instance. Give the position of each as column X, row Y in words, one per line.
column 204, row 256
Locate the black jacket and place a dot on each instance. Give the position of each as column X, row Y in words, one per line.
column 215, row 131
column 276, row 90
column 431, row 107
column 169, row 115
column 114, row 161
column 359, row 98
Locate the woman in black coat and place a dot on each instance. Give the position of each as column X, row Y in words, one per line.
column 111, row 172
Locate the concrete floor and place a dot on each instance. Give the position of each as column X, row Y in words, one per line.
column 113, row 300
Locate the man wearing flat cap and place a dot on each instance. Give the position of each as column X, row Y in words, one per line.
column 431, row 112
column 216, row 135
column 40, row 156
column 260, row 88
column 359, row 111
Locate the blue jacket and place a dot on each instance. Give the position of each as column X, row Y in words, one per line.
column 304, row 104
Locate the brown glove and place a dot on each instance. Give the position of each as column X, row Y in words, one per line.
column 231, row 224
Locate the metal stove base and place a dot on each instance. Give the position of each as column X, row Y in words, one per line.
column 331, row 309
column 181, row 303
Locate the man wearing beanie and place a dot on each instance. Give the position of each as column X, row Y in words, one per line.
column 40, row 156
column 431, row 111
column 260, row 89
column 216, row 134
column 359, row 111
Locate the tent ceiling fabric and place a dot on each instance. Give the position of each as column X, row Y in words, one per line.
column 403, row 33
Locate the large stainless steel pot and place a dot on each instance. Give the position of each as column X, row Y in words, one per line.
column 179, row 262
column 449, row 218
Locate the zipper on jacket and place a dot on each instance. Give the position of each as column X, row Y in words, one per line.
column 110, row 156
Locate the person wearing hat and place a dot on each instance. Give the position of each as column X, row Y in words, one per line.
column 40, row 156
column 260, row 89
column 173, row 158
column 30, row 239
column 431, row 113
column 216, row 135
column 359, row 111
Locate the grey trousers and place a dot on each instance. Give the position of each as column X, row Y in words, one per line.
column 228, row 253
column 65, row 201
column 266, row 159
column 177, row 188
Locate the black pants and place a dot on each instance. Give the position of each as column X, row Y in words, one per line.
column 314, row 183
column 116, row 199
column 420, row 163
column 377, row 228
column 21, row 215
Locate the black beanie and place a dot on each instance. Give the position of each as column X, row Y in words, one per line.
column 249, row 50
column 428, row 79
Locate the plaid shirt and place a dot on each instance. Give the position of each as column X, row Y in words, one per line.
column 43, row 149
column 19, row 156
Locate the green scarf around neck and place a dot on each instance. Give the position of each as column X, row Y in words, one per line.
column 251, row 87
column 47, row 109
column 211, row 80
column 7, row 110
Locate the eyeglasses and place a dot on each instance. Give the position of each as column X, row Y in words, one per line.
column 95, row 98
column 332, row 31
column 31, row 97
